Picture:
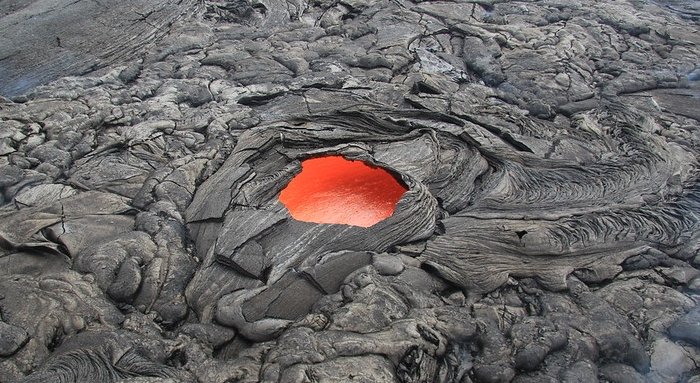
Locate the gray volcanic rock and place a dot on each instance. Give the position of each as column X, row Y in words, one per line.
column 11, row 339
column 45, row 40
column 686, row 328
column 550, row 230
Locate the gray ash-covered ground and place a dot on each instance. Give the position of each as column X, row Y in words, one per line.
column 551, row 231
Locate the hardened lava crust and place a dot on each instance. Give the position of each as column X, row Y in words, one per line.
column 549, row 230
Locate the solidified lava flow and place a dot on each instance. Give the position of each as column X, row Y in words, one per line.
column 505, row 194
column 333, row 189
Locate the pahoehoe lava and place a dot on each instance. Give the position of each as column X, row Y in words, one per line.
column 542, row 158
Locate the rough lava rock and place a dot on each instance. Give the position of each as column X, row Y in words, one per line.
column 550, row 231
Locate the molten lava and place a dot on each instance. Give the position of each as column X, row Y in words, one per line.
column 333, row 189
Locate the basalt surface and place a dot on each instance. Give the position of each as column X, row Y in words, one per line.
column 549, row 232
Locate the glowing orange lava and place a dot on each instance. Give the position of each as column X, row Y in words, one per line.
column 333, row 189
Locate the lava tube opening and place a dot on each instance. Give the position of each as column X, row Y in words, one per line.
column 336, row 190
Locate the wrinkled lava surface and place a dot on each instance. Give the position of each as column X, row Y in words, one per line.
column 333, row 189
column 550, row 233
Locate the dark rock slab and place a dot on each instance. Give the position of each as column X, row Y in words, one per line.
column 48, row 39
column 236, row 244
column 12, row 338
column 329, row 271
column 290, row 297
column 18, row 228
column 686, row 328
column 620, row 373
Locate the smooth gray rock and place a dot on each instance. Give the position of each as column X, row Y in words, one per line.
column 687, row 328
column 12, row 338
column 46, row 40
column 620, row 373
column 387, row 264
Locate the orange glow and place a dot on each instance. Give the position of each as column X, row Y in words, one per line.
column 333, row 189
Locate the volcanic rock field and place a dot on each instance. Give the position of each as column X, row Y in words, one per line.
column 543, row 191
